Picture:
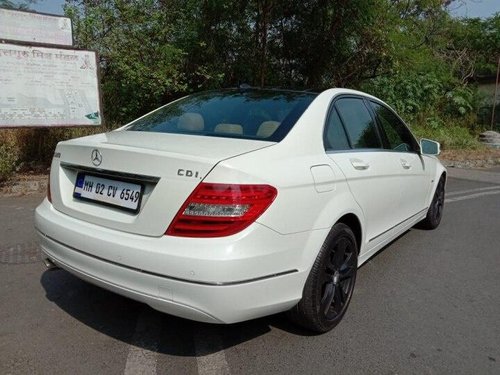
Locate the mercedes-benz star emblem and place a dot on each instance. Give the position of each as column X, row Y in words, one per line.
column 96, row 157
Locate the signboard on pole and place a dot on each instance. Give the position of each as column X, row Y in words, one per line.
column 34, row 27
column 42, row 86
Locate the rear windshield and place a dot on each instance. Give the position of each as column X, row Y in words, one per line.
column 254, row 114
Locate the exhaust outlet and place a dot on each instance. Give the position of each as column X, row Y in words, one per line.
column 49, row 264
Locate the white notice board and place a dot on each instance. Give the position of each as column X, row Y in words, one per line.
column 42, row 86
column 35, row 27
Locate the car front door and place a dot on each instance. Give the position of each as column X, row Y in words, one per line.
column 353, row 142
column 412, row 173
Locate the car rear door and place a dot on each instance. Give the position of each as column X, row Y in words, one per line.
column 353, row 142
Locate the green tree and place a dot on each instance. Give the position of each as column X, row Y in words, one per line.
column 23, row 5
column 410, row 52
column 141, row 66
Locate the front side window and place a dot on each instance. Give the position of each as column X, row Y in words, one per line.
column 398, row 137
column 358, row 123
column 249, row 114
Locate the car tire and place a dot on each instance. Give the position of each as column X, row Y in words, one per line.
column 330, row 284
column 435, row 211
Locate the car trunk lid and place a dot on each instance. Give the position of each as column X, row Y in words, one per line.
column 169, row 166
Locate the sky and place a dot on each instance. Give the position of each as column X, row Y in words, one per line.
column 458, row 8
column 474, row 8
column 48, row 6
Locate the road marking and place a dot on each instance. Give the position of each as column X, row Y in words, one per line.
column 210, row 355
column 471, row 196
column 142, row 355
column 472, row 190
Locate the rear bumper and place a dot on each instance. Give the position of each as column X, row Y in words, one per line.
column 234, row 281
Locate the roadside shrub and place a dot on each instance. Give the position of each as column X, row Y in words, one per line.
column 451, row 137
column 439, row 108
column 37, row 146
column 8, row 158
column 409, row 94
column 31, row 150
column 460, row 101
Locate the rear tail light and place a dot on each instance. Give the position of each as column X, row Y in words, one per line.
column 217, row 210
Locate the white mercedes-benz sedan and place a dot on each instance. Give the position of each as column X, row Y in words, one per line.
column 229, row 205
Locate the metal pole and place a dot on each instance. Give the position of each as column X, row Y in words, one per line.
column 496, row 93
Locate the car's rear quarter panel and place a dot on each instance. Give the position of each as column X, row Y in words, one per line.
column 298, row 208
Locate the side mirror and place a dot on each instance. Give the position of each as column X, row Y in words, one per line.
column 428, row 147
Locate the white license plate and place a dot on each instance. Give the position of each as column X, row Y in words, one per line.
column 108, row 191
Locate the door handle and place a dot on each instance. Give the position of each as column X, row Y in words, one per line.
column 405, row 164
column 359, row 164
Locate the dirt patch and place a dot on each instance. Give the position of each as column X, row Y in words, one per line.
column 484, row 158
column 24, row 183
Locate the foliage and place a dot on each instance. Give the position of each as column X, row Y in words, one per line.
column 23, row 5
column 409, row 94
column 8, row 158
column 478, row 41
column 430, row 75
column 460, row 101
column 32, row 149
column 451, row 137
column 140, row 66
column 410, row 53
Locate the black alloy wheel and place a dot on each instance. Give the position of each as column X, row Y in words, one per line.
column 338, row 278
column 435, row 212
column 330, row 284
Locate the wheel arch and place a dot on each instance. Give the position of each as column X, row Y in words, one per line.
column 353, row 222
column 440, row 172
column 445, row 175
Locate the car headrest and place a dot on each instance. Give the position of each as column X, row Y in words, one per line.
column 191, row 121
column 267, row 128
column 229, row 128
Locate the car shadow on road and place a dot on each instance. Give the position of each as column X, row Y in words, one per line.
column 117, row 317
column 373, row 258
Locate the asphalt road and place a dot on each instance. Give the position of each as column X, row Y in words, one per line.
column 429, row 303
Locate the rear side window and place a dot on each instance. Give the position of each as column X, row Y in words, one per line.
column 249, row 114
column 335, row 136
column 398, row 137
column 358, row 123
